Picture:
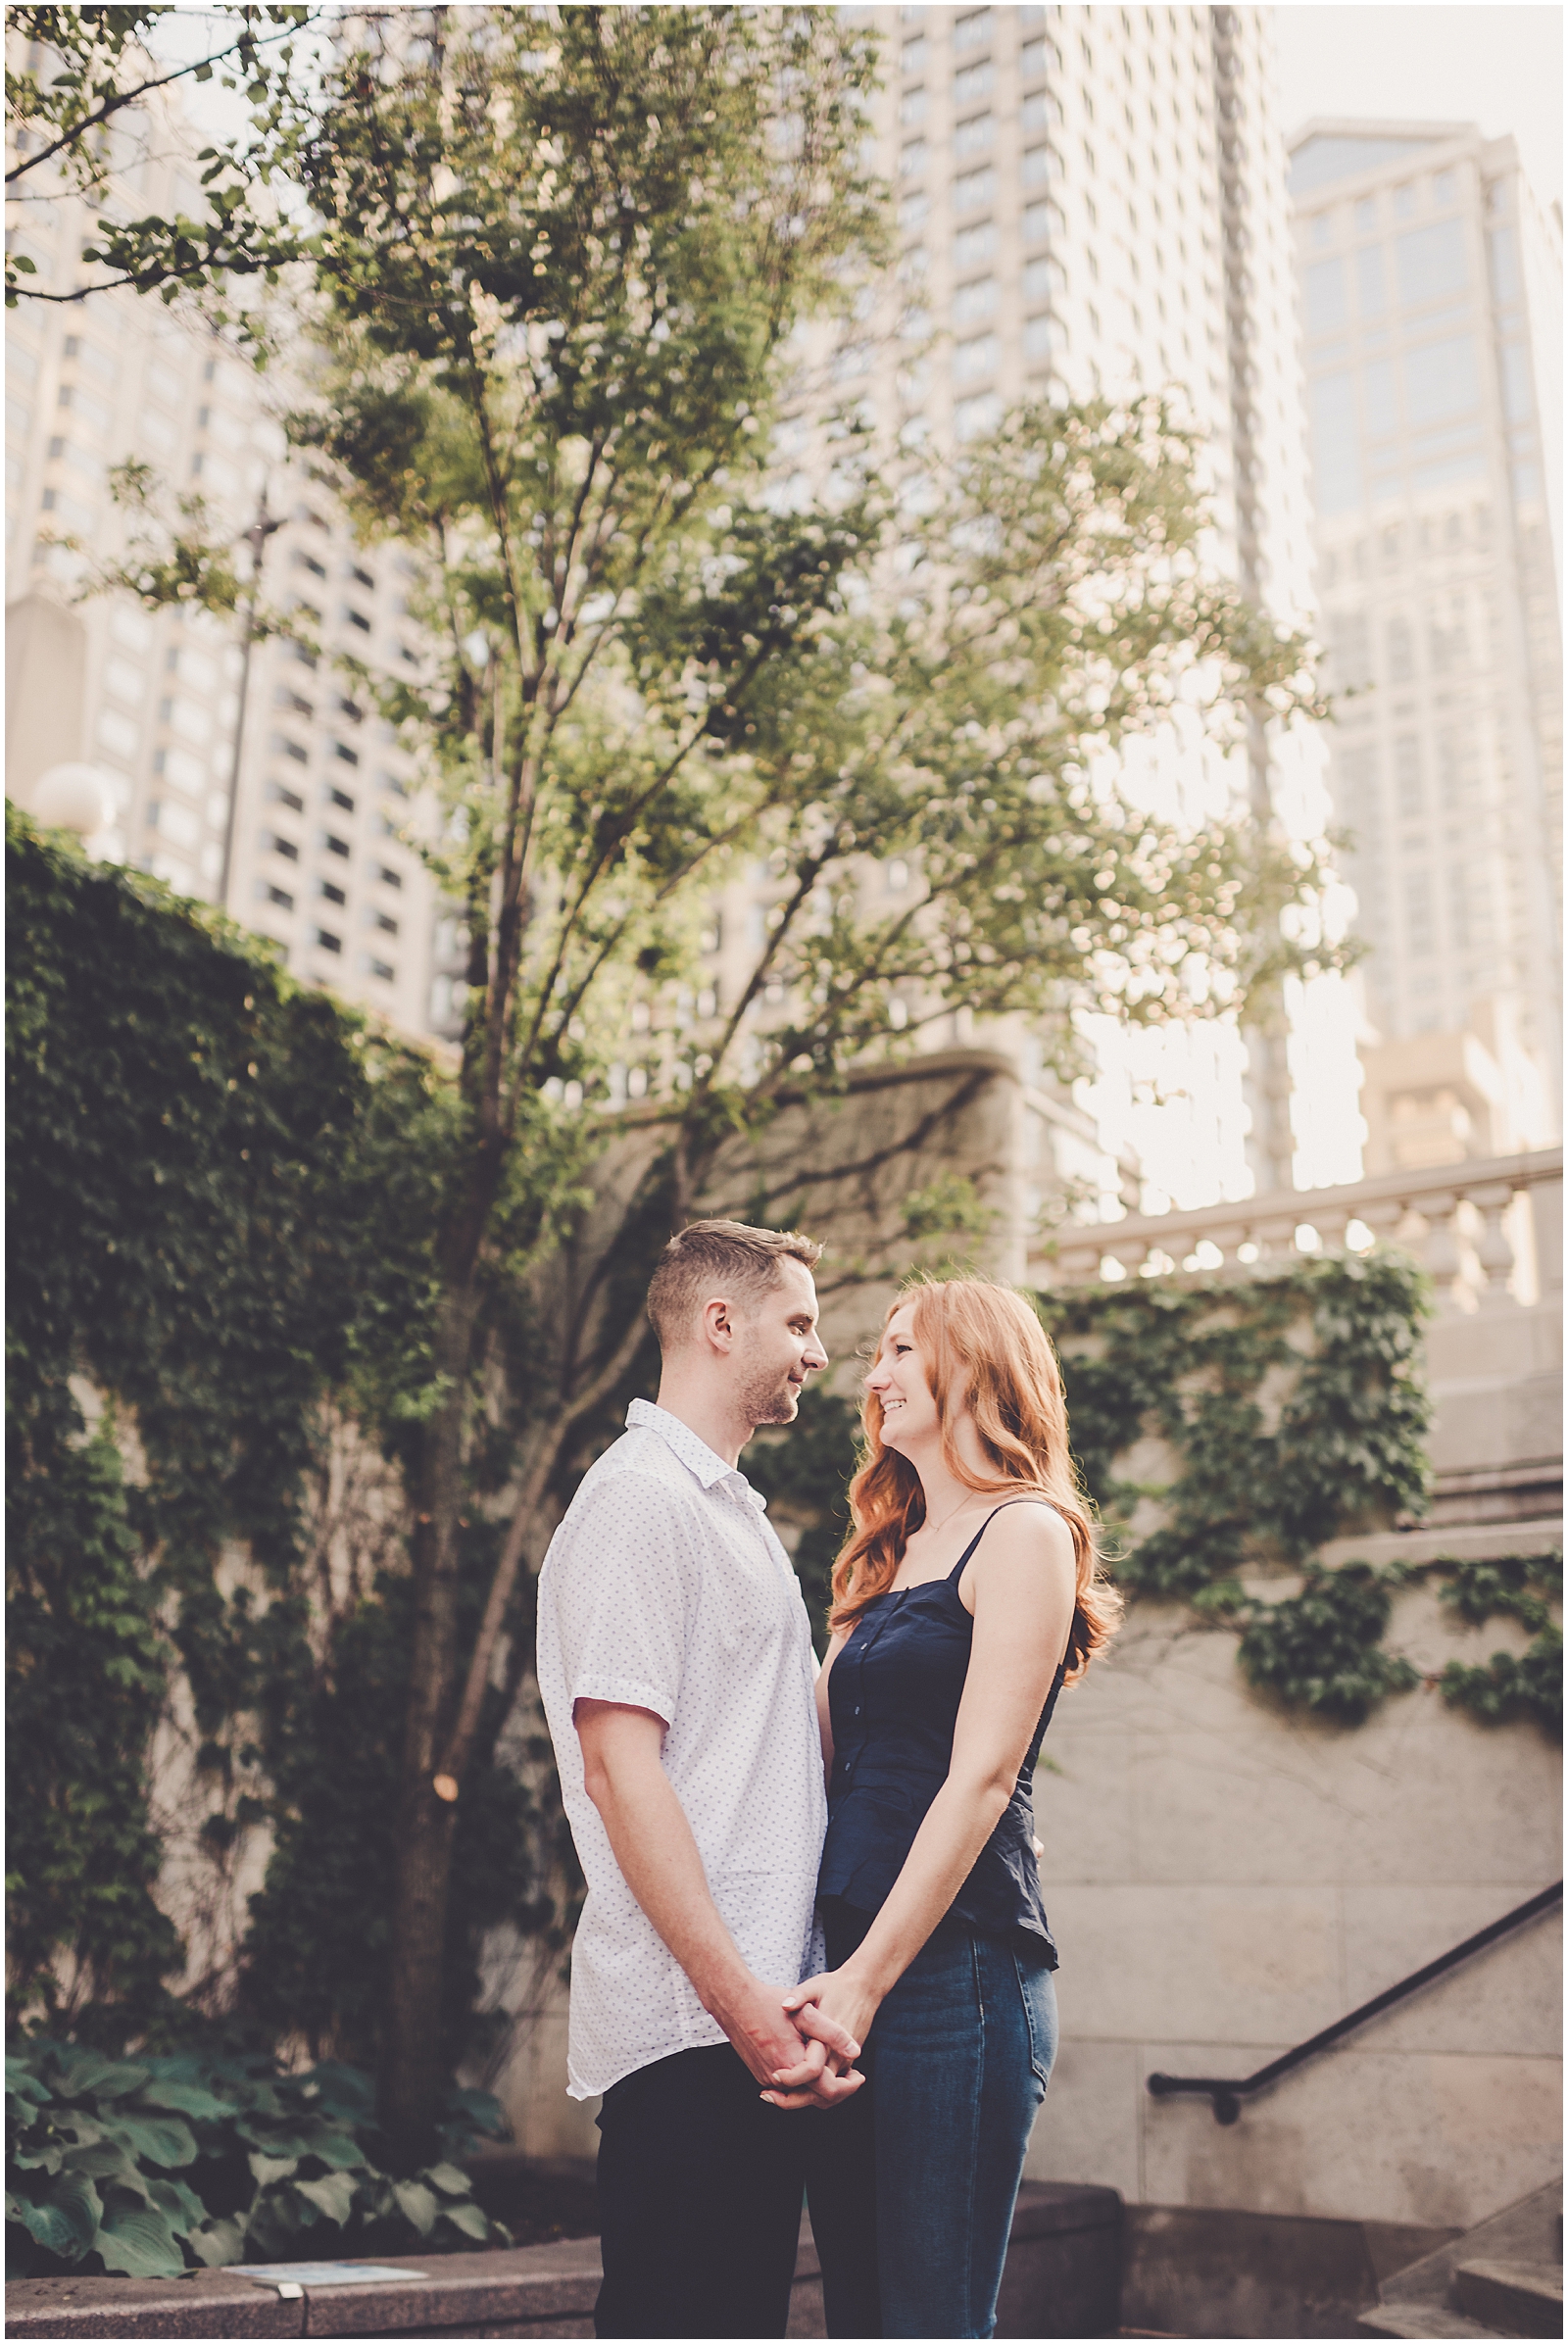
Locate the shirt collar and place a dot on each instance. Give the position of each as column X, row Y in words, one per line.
column 693, row 1452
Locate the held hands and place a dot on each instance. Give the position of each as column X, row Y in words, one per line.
column 837, row 2000
column 806, row 2052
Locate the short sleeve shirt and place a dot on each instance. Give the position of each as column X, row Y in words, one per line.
column 666, row 1588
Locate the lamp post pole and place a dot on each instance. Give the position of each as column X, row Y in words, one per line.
column 256, row 537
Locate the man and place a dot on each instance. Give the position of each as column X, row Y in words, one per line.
column 675, row 1664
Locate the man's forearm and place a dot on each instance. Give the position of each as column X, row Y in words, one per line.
column 651, row 1842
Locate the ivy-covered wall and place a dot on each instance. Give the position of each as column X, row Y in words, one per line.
column 220, row 1194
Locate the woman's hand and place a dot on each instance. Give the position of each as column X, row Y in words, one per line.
column 840, row 1995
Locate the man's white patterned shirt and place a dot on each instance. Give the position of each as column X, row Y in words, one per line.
column 666, row 1587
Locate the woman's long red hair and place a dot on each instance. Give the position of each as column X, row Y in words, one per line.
column 982, row 1346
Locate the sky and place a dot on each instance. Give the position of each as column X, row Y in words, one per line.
column 1501, row 67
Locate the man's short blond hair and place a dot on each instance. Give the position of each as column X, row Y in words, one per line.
column 712, row 1258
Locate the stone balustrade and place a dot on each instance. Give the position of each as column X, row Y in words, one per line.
column 1489, row 1232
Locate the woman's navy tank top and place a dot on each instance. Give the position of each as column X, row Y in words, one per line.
column 894, row 1698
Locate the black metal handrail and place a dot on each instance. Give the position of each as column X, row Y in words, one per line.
column 1226, row 2093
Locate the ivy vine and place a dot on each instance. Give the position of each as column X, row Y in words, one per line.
column 219, row 1186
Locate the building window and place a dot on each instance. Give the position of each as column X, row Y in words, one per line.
column 972, row 246
column 333, row 895
column 356, row 618
column 1408, row 794
column 1442, row 379
column 289, row 798
column 976, row 135
column 388, row 876
column 1429, row 264
column 338, row 846
column 972, row 188
column 284, row 847
column 328, row 941
column 280, row 897
column 974, row 357
column 1323, row 297
column 968, row 33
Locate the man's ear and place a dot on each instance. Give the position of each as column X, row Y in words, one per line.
column 718, row 1324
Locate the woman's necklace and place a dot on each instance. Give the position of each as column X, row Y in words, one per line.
column 952, row 1515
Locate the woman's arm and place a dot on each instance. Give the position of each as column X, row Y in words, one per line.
column 1024, row 1581
column 824, row 1711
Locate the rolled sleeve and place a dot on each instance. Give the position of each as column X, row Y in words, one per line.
column 622, row 1604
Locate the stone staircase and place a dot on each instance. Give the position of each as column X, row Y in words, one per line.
column 1502, row 2279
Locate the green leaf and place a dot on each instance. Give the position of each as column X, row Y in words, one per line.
column 449, row 2178
column 339, row 2150
column 187, row 2099
column 179, row 2204
column 87, row 2074
column 22, row 2079
column 471, row 2220
column 218, row 2243
column 269, row 2169
column 65, row 2221
column 418, row 2205
column 106, row 2160
column 158, row 2140
column 138, row 2243
column 333, row 2193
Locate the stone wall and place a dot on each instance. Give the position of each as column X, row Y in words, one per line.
column 1225, row 1880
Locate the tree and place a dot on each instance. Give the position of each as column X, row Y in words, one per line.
column 77, row 107
column 560, row 271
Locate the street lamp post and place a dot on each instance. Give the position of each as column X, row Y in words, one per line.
column 256, row 537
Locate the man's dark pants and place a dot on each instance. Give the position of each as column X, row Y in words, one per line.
column 700, row 2191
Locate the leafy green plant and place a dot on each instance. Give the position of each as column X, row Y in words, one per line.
column 151, row 2166
column 1334, row 1341
column 1529, row 1684
column 1323, row 1649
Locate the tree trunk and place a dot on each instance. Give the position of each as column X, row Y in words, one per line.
column 412, row 2055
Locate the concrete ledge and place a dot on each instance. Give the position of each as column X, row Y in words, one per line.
column 1195, row 2270
column 1062, row 2279
column 1466, row 1542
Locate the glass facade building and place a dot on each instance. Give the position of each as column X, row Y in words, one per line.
column 1431, row 304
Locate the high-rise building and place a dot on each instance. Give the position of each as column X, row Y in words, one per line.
column 316, row 848
column 1093, row 199
column 1431, row 306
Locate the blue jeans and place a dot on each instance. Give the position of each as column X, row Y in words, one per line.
column 957, row 2065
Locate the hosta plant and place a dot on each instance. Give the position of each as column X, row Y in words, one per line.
column 151, row 2166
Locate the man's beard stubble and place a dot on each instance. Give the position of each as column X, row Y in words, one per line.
column 768, row 1397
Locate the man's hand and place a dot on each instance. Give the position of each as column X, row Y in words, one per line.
column 808, row 2054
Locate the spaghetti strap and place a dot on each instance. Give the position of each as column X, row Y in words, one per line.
column 1033, row 1499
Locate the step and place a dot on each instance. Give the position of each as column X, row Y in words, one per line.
column 1517, row 2299
column 1417, row 2320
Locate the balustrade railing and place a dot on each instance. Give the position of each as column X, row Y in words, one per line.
column 1489, row 1232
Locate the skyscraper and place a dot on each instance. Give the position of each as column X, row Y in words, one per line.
column 315, row 851
column 1431, row 301
column 1088, row 199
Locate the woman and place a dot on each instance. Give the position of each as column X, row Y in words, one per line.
column 966, row 1598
